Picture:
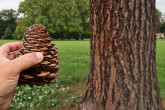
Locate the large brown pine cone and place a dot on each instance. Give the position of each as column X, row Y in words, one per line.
column 37, row 39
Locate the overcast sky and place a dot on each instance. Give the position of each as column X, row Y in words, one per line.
column 160, row 4
column 8, row 4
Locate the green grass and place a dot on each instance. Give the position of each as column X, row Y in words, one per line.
column 74, row 68
column 74, row 61
column 160, row 59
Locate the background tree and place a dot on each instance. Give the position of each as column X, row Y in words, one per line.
column 63, row 18
column 20, row 29
column 8, row 20
column 34, row 11
column 2, row 25
column 84, row 14
column 162, row 28
column 7, row 34
column 123, row 66
column 158, row 20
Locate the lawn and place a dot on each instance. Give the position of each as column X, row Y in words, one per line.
column 74, row 69
column 160, row 60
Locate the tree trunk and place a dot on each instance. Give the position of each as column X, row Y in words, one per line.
column 69, row 36
column 62, row 37
column 77, row 36
column 123, row 65
column 82, row 37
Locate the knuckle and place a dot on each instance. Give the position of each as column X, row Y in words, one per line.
column 4, row 45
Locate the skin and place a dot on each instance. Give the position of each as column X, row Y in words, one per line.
column 10, row 68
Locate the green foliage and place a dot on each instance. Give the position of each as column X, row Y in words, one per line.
column 20, row 29
column 158, row 17
column 7, row 34
column 8, row 23
column 162, row 28
column 52, row 97
column 62, row 18
column 83, row 7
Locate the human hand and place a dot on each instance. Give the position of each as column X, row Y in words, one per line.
column 10, row 68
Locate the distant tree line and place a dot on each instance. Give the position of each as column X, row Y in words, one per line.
column 64, row 19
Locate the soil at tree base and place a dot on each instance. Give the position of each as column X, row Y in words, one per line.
column 78, row 90
column 164, row 103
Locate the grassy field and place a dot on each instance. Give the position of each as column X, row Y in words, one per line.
column 74, row 69
column 160, row 60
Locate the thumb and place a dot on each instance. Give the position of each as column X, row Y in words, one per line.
column 26, row 61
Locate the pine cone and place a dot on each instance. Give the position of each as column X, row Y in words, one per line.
column 36, row 39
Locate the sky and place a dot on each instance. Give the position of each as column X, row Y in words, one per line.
column 160, row 4
column 8, row 4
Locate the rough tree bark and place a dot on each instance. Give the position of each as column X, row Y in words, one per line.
column 123, row 66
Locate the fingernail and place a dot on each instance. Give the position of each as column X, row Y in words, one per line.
column 39, row 56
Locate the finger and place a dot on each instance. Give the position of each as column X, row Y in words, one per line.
column 9, row 47
column 12, row 55
column 25, row 62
